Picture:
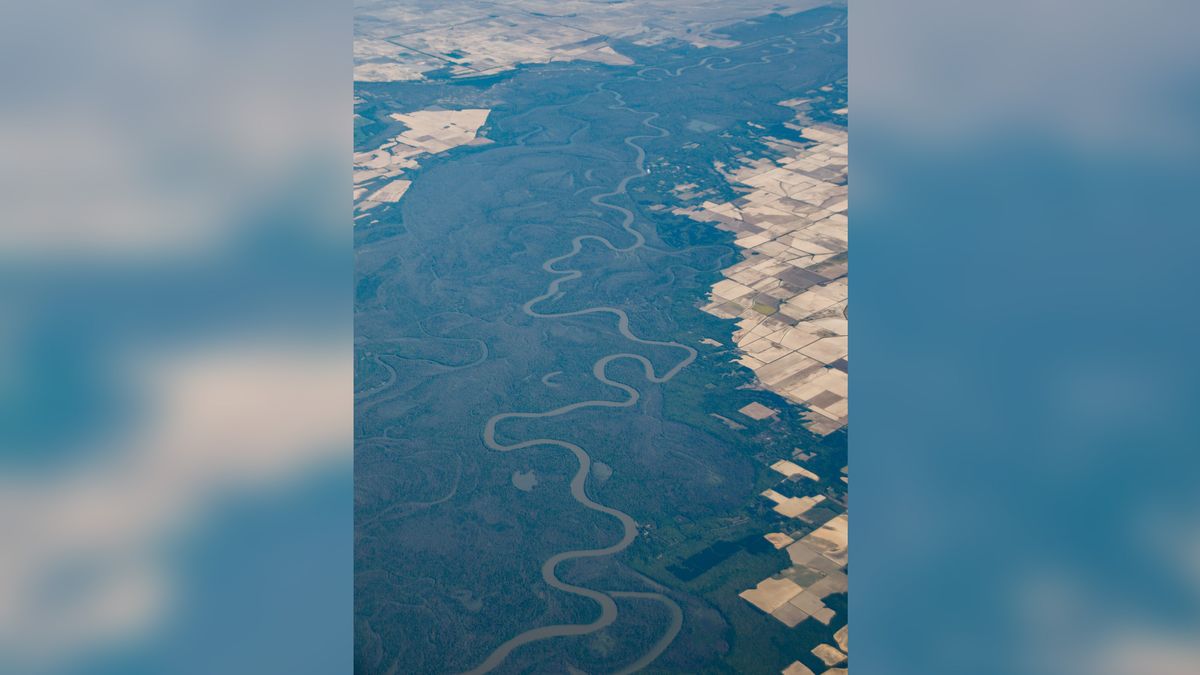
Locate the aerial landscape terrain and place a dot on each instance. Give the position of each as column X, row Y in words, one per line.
column 601, row 337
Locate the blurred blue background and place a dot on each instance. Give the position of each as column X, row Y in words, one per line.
column 1025, row 388
column 175, row 377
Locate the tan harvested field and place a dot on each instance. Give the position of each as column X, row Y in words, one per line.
column 429, row 132
column 778, row 539
column 771, row 593
column 797, row 668
column 790, row 615
column 433, row 131
column 831, row 539
column 390, row 192
column 829, row 654
column 790, row 297
column 791, row 469
column 758, row 411
column 792, row 507
column 818, row 560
